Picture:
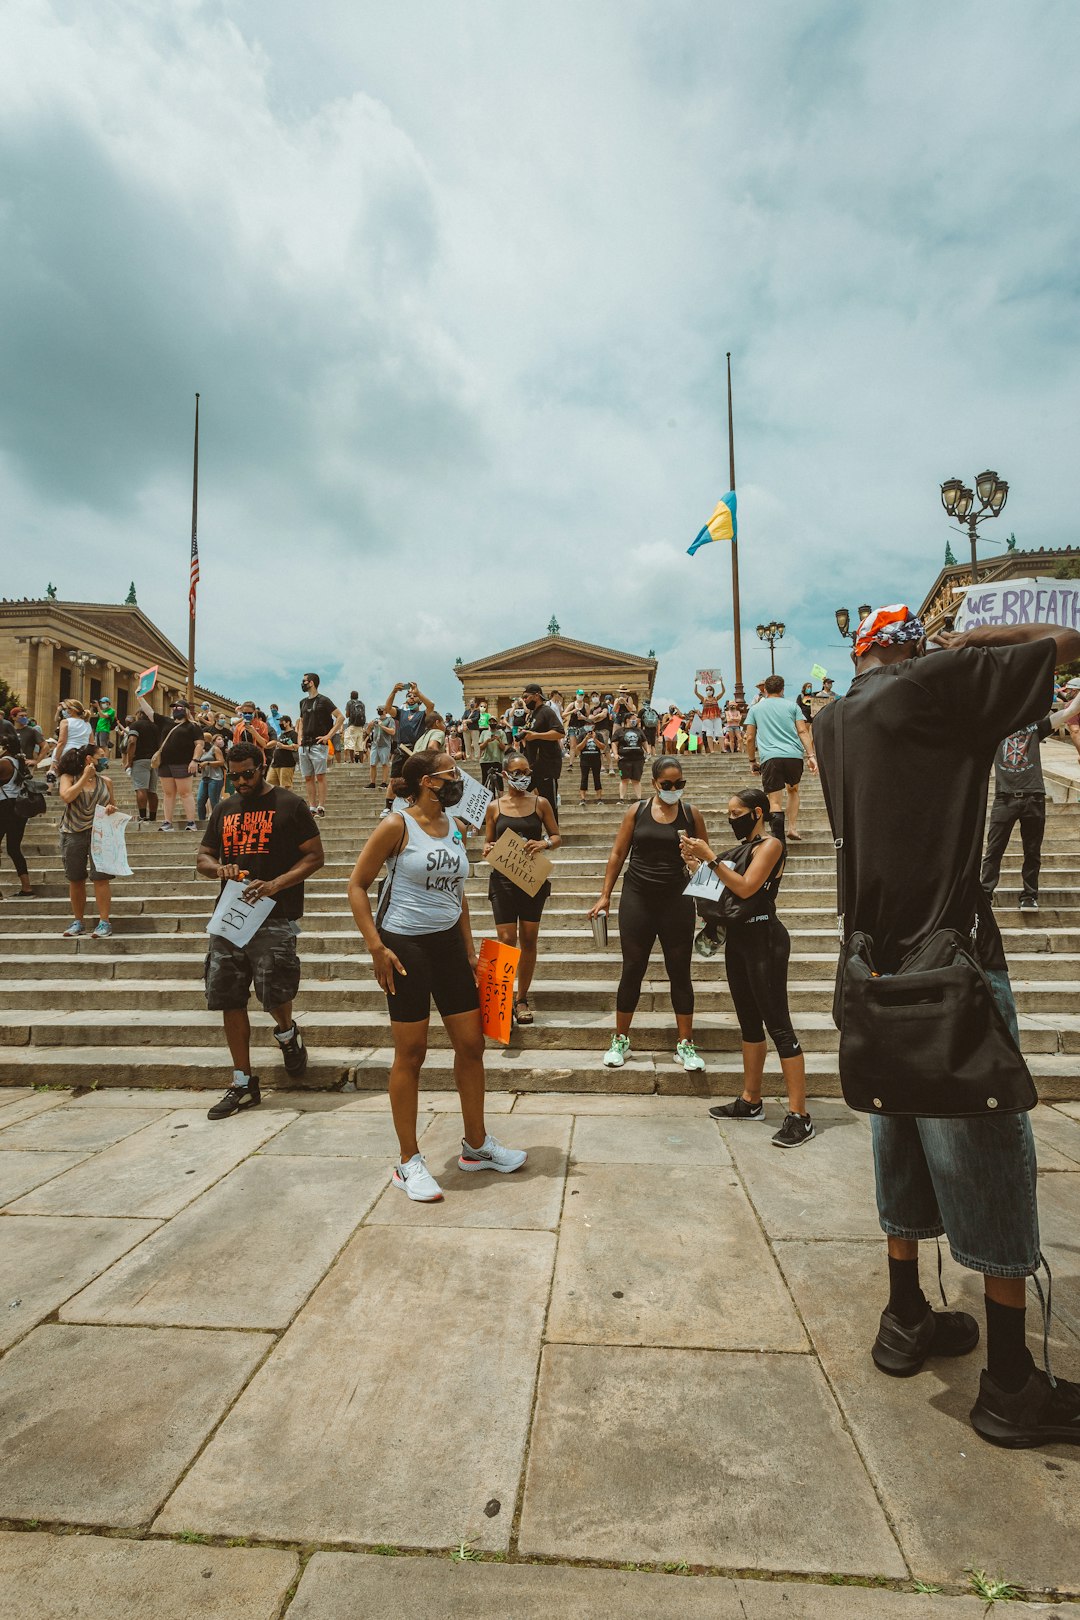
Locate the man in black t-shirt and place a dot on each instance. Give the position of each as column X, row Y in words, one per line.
column 628, row 741
column 268, row 838
column 919, row 734
column 320, row 722
column 1020, row 796
column 143, row 741
column 543, row 738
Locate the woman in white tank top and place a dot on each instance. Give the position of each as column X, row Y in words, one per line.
column 422, row 949
column 75, row 730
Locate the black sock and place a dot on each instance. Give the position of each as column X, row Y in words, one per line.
column 1008, row 1359
column 776, row 825
column 907, row 1302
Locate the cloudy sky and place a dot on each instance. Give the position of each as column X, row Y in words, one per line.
column 455, row 280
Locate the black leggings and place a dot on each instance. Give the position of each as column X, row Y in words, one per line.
column 645, row 918
column 12, row 827
column 590, row 766
column 756, row 957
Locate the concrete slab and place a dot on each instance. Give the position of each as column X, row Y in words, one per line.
column 917, row 1441
column 655, row 1455
column 246, row 1254
column 805, row 1600
column 701, row 1275
column 590, row 1104
column 19, row 1172
column 397, row 1405
column 66, row 1130
column 657, row 1139
column 157, row 1171
column 203, row 1097
column 37, row 1102
column 1059, row 1223
column 98, row 1423
column 44, row 1259
column 530, row 1199
column 49, row 1577
column 1055, row 1128
column 825, row 1186
column 339, row 1134
column 430, row 1102
column 14, row 1094
column 346, row 1586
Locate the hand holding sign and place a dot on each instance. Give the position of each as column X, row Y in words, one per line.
column 474, row 802
column 510, row 856
column 147, row 681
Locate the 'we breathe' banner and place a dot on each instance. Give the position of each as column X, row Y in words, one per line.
column 1022, row 601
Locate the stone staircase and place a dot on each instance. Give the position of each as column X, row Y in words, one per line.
column 129, row 1011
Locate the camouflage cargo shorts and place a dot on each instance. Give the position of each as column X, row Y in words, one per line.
column 269, row 960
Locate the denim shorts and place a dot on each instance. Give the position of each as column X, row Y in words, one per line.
column 268, row 959
column 971, row 1179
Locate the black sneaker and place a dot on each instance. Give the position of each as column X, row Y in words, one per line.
column 739, row 1109
column 796, row 1129
column 1036, row 1415
column 236, row 1098
column 1028, row 902
column 900, row 1351
column 293, row 1051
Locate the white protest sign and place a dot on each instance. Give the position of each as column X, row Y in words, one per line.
column 707, row 677
column 705, row 885
column 236, row 919
column 510, row 857
column 108, row 849
column 474, row 802
column 1021, row 601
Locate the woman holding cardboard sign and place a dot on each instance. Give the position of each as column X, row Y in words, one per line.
column 653, row 905
column 517, row 914
column 421, row 946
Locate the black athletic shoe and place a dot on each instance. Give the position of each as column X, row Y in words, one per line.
column 293, row 1051
column 1036, row 1415
column 236, row 1098
column 739, row 1109
column 1028, row 902
column 900, row 1351
column 796, row 1129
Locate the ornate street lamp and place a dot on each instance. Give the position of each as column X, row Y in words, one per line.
column 959, row 502
column 772, row 633
column 843, row 621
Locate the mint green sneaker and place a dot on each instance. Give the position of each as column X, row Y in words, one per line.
column 687, row 1054
column 618, row 1052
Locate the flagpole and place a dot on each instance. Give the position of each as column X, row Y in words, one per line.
column 194, row 554
column 735, row 608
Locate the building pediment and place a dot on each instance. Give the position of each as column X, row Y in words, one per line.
column 125, row 625
column 559, row 652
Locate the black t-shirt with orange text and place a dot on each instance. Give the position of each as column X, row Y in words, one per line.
column 263, row 836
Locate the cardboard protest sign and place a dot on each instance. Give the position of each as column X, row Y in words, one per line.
column 510, row 857
column 147, row 681
column 495, row 982
column 236, row 919
column 818, row 673
column 474, row 803
column 1021, row 601
column 707, row 677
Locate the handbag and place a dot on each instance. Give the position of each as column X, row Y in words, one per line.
column 30, row 800
column 928, row 1040
column 730, row 907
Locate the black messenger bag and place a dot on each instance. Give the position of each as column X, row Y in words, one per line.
column 930, row 1039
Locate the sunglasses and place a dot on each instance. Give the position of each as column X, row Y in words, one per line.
column 454, row 775
column 244, row 776
column 667, row 786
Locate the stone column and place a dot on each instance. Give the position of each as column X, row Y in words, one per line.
column 47, row 688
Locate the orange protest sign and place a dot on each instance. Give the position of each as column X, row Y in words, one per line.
column 495, row 981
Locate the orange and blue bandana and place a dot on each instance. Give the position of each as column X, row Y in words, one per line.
column 886, row 627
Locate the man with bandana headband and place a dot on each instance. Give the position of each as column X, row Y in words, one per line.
column 919, row 737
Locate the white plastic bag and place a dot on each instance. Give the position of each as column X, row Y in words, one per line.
column 236, row 919
column 108, row 849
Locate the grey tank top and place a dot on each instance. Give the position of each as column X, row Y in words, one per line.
column 427, row 881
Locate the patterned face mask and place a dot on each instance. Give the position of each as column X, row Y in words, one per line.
column 519, row 780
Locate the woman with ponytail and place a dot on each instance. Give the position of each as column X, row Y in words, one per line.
column 756, row 954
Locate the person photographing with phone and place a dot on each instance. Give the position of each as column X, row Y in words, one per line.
column 421, row 944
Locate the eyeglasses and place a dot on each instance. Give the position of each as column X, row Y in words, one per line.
column 245, row 776
column 454, row 775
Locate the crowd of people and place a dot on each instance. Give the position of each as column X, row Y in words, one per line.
column 907, row 814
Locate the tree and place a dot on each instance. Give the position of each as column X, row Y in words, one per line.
column 8, row 698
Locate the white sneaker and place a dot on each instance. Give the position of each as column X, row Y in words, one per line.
column 492, row 1156
column 618, row 1052
column 687, row 1054
column 417, row 1180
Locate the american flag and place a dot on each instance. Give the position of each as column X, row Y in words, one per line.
column 194, row 573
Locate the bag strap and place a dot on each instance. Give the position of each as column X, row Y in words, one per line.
column 384, row 899
column 838, row 824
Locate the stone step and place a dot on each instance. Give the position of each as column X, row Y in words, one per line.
column 582, row 1028
column 512, row 1070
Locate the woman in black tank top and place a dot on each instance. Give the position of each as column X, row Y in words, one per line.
column 517, row 914
column 653, row 907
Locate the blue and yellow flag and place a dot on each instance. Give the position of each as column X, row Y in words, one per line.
column 721, row 526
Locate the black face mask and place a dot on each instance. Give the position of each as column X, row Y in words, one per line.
column 742, row 826
column 449, row 793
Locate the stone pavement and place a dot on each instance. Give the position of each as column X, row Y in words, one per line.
column 632, row 1380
